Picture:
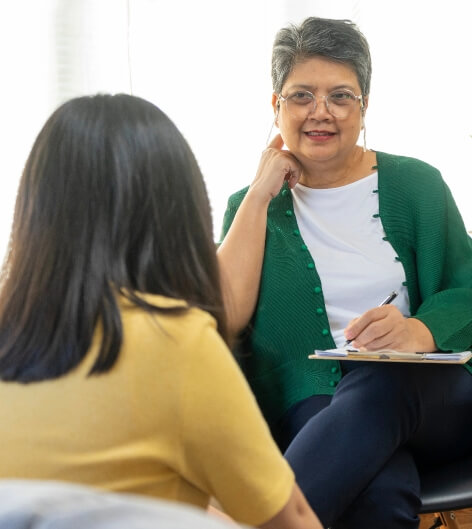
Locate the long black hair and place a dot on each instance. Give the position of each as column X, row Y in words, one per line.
column 111, row 200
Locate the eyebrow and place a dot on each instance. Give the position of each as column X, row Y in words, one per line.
column 310, row 88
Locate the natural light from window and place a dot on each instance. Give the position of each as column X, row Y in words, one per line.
column 207, row 64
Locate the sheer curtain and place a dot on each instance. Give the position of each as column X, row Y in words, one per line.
column 206, row 63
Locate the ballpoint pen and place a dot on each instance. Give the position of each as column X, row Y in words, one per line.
column 386, row 301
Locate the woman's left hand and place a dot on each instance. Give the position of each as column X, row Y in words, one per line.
column 386, row 328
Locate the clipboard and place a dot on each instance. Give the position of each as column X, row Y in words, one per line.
column 388, row 355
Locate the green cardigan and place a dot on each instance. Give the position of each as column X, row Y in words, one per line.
column 422, row 223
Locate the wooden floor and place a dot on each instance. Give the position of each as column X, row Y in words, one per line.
column 464, row 519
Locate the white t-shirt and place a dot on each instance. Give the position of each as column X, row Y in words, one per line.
column 344, row 234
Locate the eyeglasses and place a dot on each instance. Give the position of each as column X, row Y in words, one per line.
column 339, row 103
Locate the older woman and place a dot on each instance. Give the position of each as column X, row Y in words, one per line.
column 325, row 231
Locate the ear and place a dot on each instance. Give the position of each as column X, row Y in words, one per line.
column 275, row 104
column 365, row 100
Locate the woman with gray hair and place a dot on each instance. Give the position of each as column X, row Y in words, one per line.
column 324, row 232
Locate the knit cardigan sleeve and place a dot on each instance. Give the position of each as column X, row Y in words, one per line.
column 425, row 227
column 448, row 312
column 232, row 207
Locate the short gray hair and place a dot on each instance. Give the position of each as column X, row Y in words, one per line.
column 336, row 40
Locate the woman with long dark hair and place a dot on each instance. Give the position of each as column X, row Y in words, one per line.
column 114, row 368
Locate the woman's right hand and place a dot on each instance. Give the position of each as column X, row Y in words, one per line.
column 241, row 254
column 275, row 167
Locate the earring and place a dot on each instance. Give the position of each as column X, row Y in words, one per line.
column 364, row 147
column 275, row 122
column 270, row 132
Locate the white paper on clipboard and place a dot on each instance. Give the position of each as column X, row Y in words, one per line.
column 388, row 355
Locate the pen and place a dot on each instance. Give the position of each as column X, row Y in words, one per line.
column 386, row 301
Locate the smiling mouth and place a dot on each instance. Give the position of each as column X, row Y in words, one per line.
column 319, row 133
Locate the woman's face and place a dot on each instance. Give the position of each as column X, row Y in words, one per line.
column 317, row 135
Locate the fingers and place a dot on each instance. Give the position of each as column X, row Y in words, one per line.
column 351, row 323
column 380, row 341
column 292, row 178
column 276, row 143
column 357, row 325
column 275, row 167
column 292, row 165
column 380, row 327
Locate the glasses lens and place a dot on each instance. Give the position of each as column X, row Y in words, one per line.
column 300, row 104
column 341, row 103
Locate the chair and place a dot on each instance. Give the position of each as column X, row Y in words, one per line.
column 35, row 504
column 445, row 490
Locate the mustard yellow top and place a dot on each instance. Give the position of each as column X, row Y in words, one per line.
column 174, row 419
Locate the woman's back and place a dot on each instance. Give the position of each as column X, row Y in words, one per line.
column 152, row 425
column 108, row 379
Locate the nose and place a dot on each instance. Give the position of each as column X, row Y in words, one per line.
column 319, row 110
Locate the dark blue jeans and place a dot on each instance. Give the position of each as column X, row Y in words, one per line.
column 356, row 455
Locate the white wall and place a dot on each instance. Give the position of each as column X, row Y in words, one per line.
column 207, row 64
column 421, row 68
column 25, row 92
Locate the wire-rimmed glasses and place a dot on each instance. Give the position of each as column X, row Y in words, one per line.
column 339, row 103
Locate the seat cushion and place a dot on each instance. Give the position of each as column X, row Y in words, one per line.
column 448, row 487
column 57, row 505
